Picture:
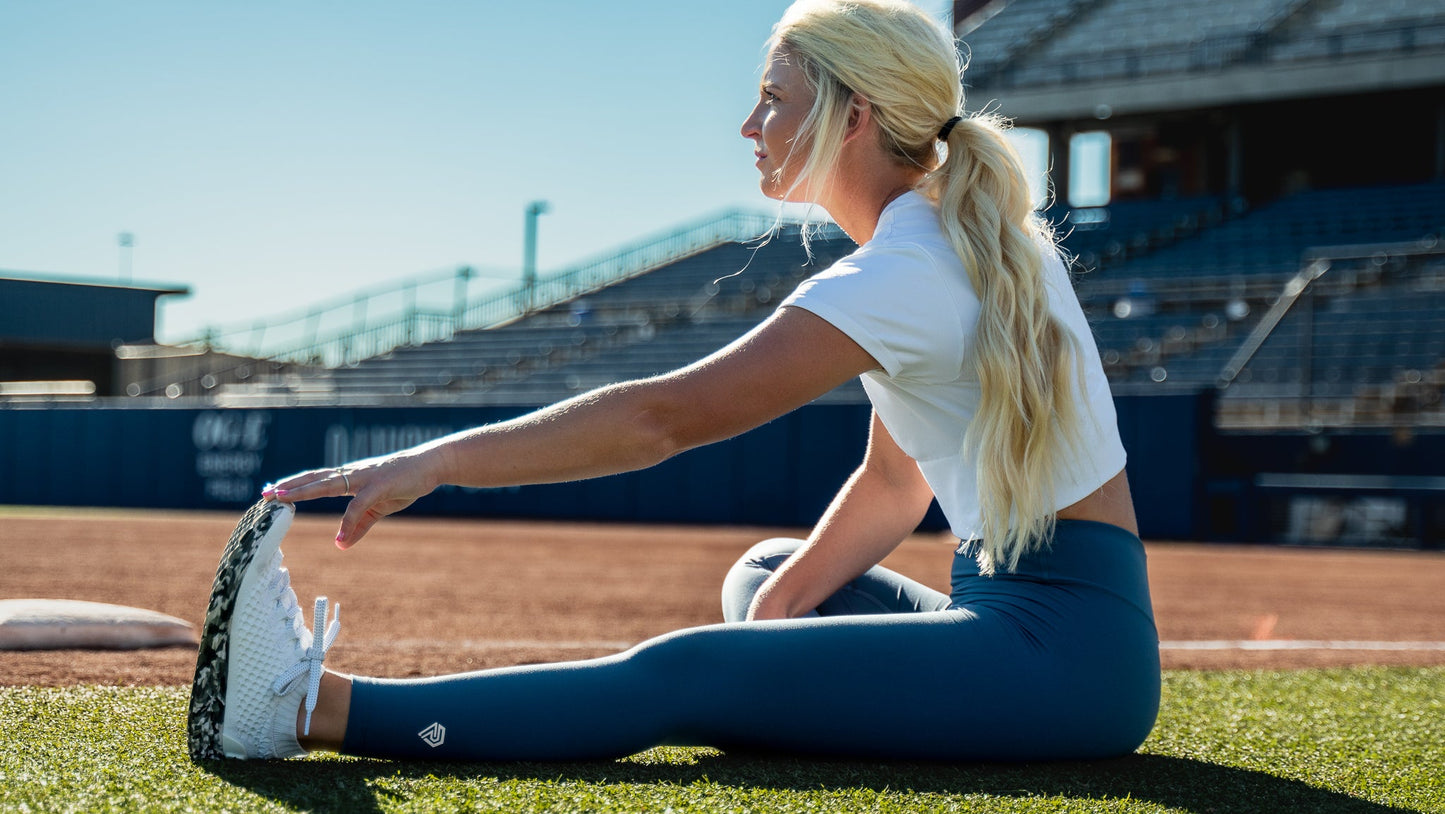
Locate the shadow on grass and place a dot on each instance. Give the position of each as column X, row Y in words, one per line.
column 1179, row 783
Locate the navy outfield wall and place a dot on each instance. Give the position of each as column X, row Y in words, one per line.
column 783, row 473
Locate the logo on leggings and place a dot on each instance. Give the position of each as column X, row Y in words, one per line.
column 434, row 735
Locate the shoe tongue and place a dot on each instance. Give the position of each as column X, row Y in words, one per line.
column 303, row 634
column 292, row 605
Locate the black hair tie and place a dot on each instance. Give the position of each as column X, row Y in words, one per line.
column 948, row 128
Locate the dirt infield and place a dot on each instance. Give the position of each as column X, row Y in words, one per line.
column 427, row 596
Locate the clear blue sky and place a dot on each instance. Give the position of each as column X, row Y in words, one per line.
column 271, row 155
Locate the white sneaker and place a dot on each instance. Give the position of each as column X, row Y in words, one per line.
column 255, row 649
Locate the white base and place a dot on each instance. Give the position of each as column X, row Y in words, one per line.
column 68, row 624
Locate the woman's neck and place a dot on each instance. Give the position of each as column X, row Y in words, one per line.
column 863, row 196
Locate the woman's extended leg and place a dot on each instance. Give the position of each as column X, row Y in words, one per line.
column 677, row 688
column 940, row 685
column 1032, row 670
column 877, row 591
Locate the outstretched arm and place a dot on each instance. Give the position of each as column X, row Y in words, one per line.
column 791, row 359
column 880, row 505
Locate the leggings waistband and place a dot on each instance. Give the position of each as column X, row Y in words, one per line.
column 1081, row 553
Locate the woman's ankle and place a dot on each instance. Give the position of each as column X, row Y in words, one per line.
column 328, row 720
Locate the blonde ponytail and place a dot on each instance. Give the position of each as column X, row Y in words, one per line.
column 1024, row 358
column 906, row 65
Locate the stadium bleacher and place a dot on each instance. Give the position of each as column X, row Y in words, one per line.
column 1101, row 235
column 1123, row 37
column 1009, row 35
column 639, row 327
column 1113, row 38
column 1364, row 26
column 1374, row 323
column 1110, row 39
column 1272, row 238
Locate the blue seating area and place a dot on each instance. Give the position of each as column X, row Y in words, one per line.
column 1040, row 43
column 1116, row 38
column 1172, row 288
column 1376, row 337
column 1371, row 325
column 1006, row 35
column 1331, row 348
column 1365, row 26
column 1271, row 239
column 1097, row 236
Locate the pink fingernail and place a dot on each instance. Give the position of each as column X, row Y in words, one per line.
column 340, row 537
column 282, row 492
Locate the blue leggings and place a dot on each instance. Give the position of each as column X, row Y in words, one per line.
column 1058, row 660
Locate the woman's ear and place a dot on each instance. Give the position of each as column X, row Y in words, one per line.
column 860, row 116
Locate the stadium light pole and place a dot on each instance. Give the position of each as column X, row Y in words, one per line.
column 125, row 240
column 529, row 249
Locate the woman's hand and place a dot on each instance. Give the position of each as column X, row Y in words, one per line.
column 880, row 505
column 377, row 486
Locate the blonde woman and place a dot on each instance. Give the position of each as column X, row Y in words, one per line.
column 988, row 395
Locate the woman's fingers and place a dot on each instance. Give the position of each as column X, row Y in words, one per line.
column 377, row 487
column 361, row 515
column 355, row 523
column 318, row 483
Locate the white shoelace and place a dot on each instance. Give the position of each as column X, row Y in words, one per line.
column 315, row 642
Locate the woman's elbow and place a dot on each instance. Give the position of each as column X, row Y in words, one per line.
column 670, row 423
column 667, row 423
column 659, row 435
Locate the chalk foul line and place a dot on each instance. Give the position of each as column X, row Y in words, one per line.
column 1299, row 644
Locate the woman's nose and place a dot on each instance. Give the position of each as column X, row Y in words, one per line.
column 750, row 125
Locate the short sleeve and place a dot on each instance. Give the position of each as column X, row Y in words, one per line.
column 913, row 317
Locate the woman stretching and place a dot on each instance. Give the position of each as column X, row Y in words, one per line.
column 987, row 395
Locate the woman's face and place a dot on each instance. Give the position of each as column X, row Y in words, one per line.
column 784, row 100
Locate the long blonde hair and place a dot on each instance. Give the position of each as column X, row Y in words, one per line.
column 907, row 66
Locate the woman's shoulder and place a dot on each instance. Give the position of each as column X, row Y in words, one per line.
column 904, row 285
column 883, row 270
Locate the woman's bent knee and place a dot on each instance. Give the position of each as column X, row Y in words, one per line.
column 749, row 573
column 772, row 552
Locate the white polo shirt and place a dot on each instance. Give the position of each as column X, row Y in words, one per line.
column 905, row 298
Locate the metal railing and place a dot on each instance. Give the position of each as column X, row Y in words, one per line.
column 1336, row 271
column 435, row 306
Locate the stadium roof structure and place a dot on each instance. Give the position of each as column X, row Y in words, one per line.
column 1050, row 60
column 40, row 310
column 57, row 335
column 159, row 289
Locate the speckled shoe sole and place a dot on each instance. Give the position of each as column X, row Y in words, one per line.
column 262, row 527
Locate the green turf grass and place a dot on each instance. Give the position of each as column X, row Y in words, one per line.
column 1357, row 740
